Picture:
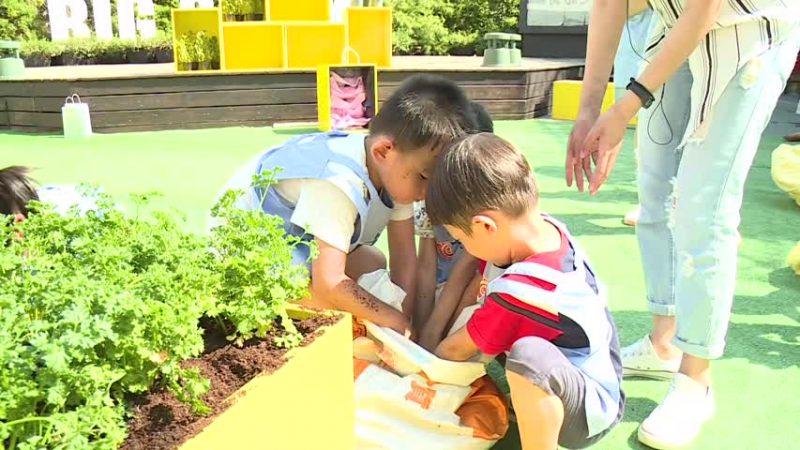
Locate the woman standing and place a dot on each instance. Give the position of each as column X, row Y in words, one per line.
column 715, row 71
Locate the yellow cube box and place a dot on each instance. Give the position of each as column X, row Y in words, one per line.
column 367, row 72
column 310, row 44
column 201, row 19
column 369, row 33
column 254, row 45
column 300, row 10
column 567, row 97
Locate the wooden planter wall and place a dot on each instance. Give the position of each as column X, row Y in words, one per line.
column 245, row 99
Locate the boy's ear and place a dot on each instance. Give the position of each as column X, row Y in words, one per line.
column 380, row 146
column 484, row 222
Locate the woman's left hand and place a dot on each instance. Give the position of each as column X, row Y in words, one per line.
column 603, row 144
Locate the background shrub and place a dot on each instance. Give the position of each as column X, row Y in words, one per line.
column 421, row 27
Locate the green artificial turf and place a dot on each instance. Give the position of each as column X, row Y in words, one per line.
column 758, row 380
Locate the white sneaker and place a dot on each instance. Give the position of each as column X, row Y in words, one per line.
column 632, row 218
column 641, row 360
column 677, row 421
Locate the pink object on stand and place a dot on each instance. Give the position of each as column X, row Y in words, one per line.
column 347, row 102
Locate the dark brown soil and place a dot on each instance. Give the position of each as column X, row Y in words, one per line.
column 161, row 422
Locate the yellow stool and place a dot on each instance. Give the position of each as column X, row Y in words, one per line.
column 567, row 97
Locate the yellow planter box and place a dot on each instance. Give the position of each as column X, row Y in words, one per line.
column 369, row 33
column 254, row 45
column 201, row 19
column 300, row 10
column 309, row 403
column 567, row 97
column 367, row 71
column 311, row 44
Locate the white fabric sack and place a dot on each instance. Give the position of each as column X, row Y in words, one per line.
column 379, row 284
column 399, row 413
column 406, row 358
column 75, row 118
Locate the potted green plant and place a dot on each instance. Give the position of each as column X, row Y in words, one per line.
column 201, row 60
column 234, row 10
column 254, row 10
column 142, row 51
column 82, row 52
column 38, row 53
column 56, row 49
column 184, row 51
column 162, row 47
column 212, row 52
column 68, row 55
column 112, row 51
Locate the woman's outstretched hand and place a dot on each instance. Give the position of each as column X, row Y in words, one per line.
column 577, row 168
column 602, row 145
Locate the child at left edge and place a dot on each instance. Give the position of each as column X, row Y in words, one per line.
column 544, row 306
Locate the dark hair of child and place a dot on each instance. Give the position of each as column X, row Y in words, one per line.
column 16, row 190
column 483, row 120
column 495, row 175
column 425, row 112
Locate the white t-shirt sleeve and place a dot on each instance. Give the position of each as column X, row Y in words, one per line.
column 325, row 211
column 402, row 212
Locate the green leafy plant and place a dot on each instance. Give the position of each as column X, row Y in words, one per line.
column 162, row 41
column 100, row 306
column 437, row 26
column 212, row 51
column 472, row 19
column 114, row 51
column 23, row 20
column 81, row 51
column 94, row 308
column 234, row 8
column 419, row 27
column 39, row 52
column 254, row 7
column 182, row 50
column 255, row 263
column 199, row 49
column 164, row 14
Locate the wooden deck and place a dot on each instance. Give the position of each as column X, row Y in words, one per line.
column 154, row 97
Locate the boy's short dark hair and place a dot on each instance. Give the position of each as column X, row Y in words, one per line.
column 483, row 121
column 16, row 190
column 479, row 172
column 425, row 111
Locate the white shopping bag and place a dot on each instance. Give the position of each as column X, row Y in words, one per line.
column 75, row 118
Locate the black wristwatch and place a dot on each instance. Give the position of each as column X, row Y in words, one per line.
column 642, row 92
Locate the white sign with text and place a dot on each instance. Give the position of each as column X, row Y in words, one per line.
column 134, row 17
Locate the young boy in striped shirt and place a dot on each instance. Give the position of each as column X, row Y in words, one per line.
column 544, row 306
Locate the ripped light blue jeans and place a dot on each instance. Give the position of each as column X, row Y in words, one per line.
column 691, row 197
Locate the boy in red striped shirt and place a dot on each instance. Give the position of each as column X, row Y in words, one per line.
column 544, row 307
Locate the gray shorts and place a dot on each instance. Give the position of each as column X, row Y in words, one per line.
column 540, row 362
